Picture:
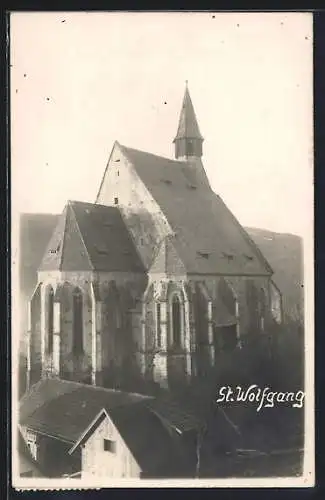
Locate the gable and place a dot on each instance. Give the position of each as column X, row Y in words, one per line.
column 75, row 256
column 106, row 238
column 91, row 237
column 141, row 214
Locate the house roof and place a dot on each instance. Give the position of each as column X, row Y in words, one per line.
column 91, row 237
column 188, row 126
column 70, row 411
column 207, row 237
column 173, row 414
column 63, row 409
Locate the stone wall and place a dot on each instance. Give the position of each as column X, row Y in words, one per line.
column 141, row 213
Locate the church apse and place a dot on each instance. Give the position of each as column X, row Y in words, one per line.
column 167, row 343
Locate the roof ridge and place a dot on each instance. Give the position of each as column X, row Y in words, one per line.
column 76, row 386
column 116, row 143
column 95, row 205
column 154, row 154
column 98, row 387
column 64, row 234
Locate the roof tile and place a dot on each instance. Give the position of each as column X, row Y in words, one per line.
column 91, row 237
column 201, row 222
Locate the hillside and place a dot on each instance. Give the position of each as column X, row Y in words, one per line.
column 35, row 233
column 284, row 252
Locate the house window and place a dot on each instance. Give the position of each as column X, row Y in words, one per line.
column 158, row 321
column 176, row 321
column 77, row 332
column 50, row 320
column 32, row 445
column 115, row 201
column 109, row 446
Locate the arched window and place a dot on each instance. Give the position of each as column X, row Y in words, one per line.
column 50, row 319
column 77, row 322
column 253, row 305
column 262, row 308
column 158, row 323
column 176, row 321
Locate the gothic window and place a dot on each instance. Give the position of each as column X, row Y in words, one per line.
column 77, row 328
column 50, row 319
column 176, row 321
column 262, row 308
column 276, row 303
column 158, row 326
column 253, row 305
column 227, row 297
column 228, row 338
column 118, row 316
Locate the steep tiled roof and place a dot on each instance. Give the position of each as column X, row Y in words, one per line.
column 64, row 409
column 207, row 236
column 176, row 416
column 188, row 126
column 91, row 237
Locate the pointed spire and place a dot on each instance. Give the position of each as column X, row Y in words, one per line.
column 188, row 140
column 188, row 127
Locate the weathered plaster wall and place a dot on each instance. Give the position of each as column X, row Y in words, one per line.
column 142, row 215
column 100, row 463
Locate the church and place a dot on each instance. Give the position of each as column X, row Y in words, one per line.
column 152, row 281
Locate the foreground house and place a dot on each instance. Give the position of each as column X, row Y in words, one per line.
column 75, row 430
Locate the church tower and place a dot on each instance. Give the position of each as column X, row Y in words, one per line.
column 188, row 141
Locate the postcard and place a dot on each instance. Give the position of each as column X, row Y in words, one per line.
column 162, row 249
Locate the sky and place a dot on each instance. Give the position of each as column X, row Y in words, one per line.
column 80, row 81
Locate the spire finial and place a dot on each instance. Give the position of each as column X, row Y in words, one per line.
column 186, row 83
